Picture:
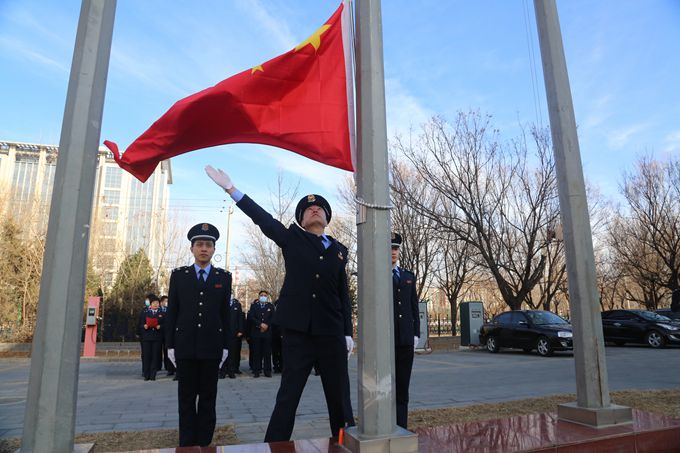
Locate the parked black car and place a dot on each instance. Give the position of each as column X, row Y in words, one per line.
column 528, row 330
column 639, row 326
column 668, row 313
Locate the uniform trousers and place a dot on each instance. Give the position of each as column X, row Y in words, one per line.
column 196, row 379
column 262, row 354
column 151, row 354
column 404, row 363
column 300, row 351
column 234, row 359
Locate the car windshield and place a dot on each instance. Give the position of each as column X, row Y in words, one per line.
column 650, row 315
column 545, row 317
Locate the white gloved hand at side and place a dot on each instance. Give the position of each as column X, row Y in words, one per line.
column 171, row 356
column 221, row 178
column 225, row 354
column 350, row 345
column 415, row 343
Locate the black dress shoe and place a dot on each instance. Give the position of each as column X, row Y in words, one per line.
column 147, row 378
column 232, row 376
column 256, row 375
column 153, row 377
column 267, row 375
column 174, row 378
column 171, row 373
column 238, row 372
column 222, row 376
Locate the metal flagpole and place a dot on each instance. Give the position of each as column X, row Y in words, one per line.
column 377, row 430
column 593, row 406
column 49, row 423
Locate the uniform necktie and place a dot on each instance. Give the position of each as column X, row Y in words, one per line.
column 395, row 276
column 201, row 276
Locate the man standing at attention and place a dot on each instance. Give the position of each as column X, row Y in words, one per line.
column 313, row 308
column 260, row 315
column 197, row 335
column 406, row 329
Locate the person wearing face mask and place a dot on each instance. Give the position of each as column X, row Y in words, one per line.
column 313, row 306
column 261, row 314
column 236, row 330
column 151, row 333
column 197, row 335
column 406, row 329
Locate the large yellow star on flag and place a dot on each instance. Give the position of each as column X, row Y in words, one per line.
column 315, row 39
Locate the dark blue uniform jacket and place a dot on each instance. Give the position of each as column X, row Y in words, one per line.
column 314, row 297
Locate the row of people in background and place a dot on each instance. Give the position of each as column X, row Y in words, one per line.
column 263, row 337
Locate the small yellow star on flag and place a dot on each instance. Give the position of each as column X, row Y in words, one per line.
column 315, row 39
column 257, row 68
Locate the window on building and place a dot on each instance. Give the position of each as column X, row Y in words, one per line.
column 111, row 196
column 24, row 178
column 111, row 213
column 113, row 178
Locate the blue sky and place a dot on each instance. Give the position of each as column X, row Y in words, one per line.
column 440, row 57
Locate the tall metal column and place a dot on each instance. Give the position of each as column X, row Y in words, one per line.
column 49, row 423
column 593, row 406
column 377, row 430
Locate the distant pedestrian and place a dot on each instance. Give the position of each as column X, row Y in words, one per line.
column 151, row 333
column 261, row 314
column 166, row 362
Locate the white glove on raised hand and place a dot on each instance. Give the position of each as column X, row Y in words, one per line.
column 350, row 345
column 171, row 356
column 415, row 343
column 221, row 178
column 225, row 354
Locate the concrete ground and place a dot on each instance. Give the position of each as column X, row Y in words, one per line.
column 112, row 396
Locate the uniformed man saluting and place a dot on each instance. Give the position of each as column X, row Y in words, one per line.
column 313, row 308
column 197, row 335
column 406, row 329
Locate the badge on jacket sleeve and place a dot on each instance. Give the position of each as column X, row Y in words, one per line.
column 218, row 285
column 340, row 256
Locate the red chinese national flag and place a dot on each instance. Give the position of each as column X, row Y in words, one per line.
column 301, row 101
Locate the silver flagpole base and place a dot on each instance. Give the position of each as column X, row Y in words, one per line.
column 400, row 441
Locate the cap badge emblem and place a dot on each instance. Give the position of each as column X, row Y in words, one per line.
column 311, row 198
column 205, row 227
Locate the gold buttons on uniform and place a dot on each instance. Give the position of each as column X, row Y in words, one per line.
column 199, row 325
column 399, row 316
column 200, row 314
column 321, row 257
column 317, row 275
column 201, row 293
column 200, row 303
column 313, row 296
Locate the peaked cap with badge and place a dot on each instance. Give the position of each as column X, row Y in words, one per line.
column 396, row 239
column 203, row 231
column 312, row 200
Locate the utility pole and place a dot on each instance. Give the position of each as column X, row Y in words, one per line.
column 230, row 213
column 49, row 422
column 593, row 406
column 377, row 430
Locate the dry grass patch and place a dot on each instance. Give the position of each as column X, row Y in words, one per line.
column 660, row 401
column 134, row 440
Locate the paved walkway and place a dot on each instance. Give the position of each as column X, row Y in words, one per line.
column 114, row 397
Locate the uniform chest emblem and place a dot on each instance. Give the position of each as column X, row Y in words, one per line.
column 269, row 309
column 408, row 282
column 218, row 285
column 340, row 256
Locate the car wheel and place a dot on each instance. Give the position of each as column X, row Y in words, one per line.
column 492, row 344
column 543, row 347
column 655, row 339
